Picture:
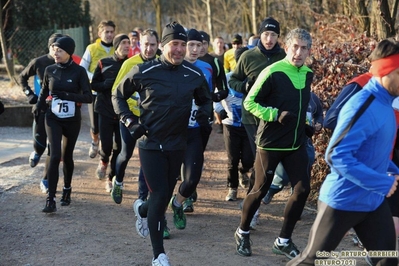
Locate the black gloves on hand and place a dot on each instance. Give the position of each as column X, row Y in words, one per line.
column 108, row 83
column 220, row 95
column 62, row 95
column 138, row 130
column 309, row 131
column 286, row 117
column 32, row 98
column 222, row 114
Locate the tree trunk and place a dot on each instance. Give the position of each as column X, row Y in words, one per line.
column 158, row 16
column 253, row 9
column 363, row 16
column 9, row 63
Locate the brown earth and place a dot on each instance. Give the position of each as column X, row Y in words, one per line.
column 94, row 230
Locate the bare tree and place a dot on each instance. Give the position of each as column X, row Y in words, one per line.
column 8, row 61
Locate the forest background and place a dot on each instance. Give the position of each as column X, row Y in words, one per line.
column 344, row 33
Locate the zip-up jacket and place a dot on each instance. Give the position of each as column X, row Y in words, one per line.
column 126, row 67
column 69, row 78
column 359, row 152
column 352, row 87
column 250, row 64
column 207, row 71
column 166, row 93
column 280, row 87
column 107, row 68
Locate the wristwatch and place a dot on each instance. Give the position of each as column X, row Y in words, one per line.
column 27, row 91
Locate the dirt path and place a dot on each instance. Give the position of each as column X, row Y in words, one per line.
column 94, row 230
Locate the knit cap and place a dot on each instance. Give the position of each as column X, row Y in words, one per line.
column 237, row 39
column 194, row 35
column 269, row 24
column 205, row 36
column 53, row 38
column 67, row 44
column 173, row 31
column 118, row 38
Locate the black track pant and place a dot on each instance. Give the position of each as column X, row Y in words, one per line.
column 65, row 133
column 193, row 162
column 296, row 165
column 110, row 141
column 375, row 229
column 161, row 170
column 95, row 129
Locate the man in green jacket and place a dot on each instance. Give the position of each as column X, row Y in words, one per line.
column 279, row 98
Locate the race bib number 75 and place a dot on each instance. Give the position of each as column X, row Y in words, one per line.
column 63, row 108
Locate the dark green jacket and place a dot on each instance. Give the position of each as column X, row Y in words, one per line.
column 248, row 67
column 280, row 87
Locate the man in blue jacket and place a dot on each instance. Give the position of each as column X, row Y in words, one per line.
column 362, row 174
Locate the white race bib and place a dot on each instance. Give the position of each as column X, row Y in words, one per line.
column 63, row 108
column 192, row 121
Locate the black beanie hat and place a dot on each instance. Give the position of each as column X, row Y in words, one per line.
column 53, row 38
column 173, row 31
column 237, row 39
column 194, row 35
column 67, row 44
column 269, row 24
column 118, row 38
column 205, row 36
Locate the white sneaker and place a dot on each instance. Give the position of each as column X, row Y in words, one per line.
column 44, row 186
column 141, row 223
column 108, row 185
column 232, row 195
column 162, row 260
column 93, row 149
column 101, row 170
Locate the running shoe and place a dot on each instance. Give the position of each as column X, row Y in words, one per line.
column 162, row 260
column 255, row 220
column 44, row 186
column 243, row 244
column 93, row 151
column 268, row 198
column 34, row 159
column 287, row 249
column 66, row 197
column 179, row 217
column 50, row 206
column 166, row 231
column 141, row 223
column 101, row 169
column 116, row 193
column 188, row 205
column 232, row 195
column 108, row 185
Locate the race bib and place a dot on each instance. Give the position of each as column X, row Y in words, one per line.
column 63, row 108
column 192, row 121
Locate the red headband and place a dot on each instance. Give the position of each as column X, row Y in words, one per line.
column 384, row 66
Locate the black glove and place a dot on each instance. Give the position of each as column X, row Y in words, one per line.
column 309, row 130
column 1, row 108
column 220, row 95
column 222, row 114
column 286, row 117
column 138, row 130
column 249, row 84
column 32, row 98
column 108, row 83
column 62, row 95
